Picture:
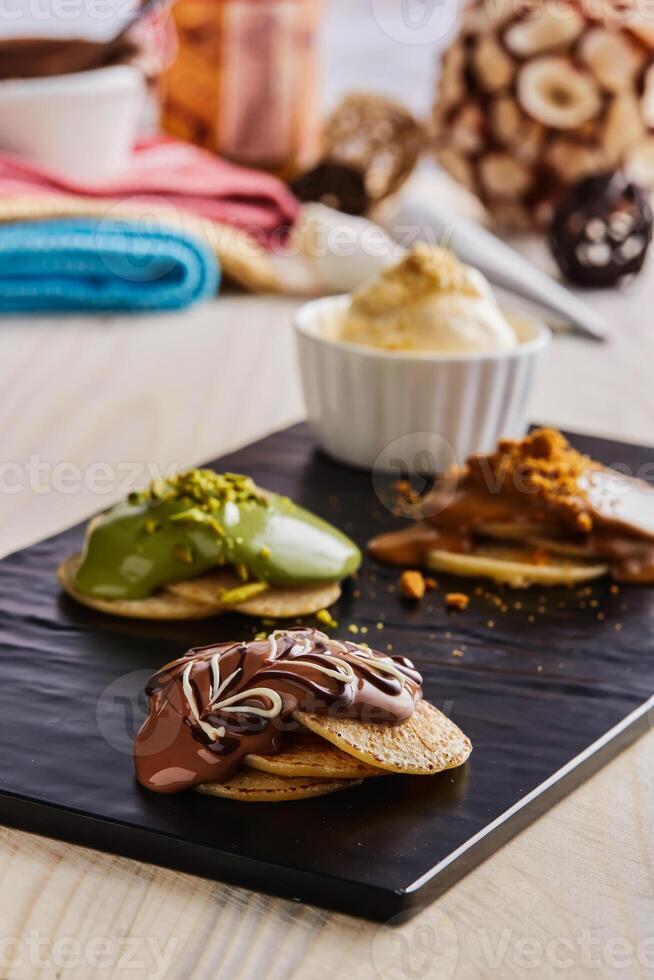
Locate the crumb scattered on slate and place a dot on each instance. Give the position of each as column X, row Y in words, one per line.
column 457, row 600
column 412, row 584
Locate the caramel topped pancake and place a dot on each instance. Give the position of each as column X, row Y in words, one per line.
column 545, row 498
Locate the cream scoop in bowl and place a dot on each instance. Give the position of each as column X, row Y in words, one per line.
column 428, row 302
column 422, row 354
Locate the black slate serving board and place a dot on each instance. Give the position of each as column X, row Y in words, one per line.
column 546, row 701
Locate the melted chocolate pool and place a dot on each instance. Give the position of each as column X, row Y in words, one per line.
column 211, row 708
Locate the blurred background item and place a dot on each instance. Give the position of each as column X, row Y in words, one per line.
column 34, row 45
column 74, row 90
column 534, row 97
column 82, row 125
column 601, row 231
column 531, row 99
column 243, row 82
column 370, row 147
column 101, row 266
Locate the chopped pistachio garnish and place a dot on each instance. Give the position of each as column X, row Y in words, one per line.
column 325, row 617
column 196, row 516
column 183, row 553
column 233, row 597
column 203, row 493
column 242, row 572
column 157, row 489
column 203, row 487
column 264, row 552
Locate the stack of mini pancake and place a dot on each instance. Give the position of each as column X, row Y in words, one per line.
column 330, row 753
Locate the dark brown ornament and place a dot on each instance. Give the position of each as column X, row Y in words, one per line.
column 337, row 185
column 601, row 231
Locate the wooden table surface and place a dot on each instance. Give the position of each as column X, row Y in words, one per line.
column 87, row 407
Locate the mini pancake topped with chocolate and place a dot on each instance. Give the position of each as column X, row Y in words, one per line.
column 201, row 543
column 294, row 715
column 535, row 511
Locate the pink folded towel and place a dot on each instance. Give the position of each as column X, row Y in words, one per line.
column 180, row 174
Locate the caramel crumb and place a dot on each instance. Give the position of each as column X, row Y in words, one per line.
column 431, row 584
column 457, row 653
column 457, row 600
column 584, row 522
column 545, row 465
column 614, row 589
column 405, row 492
column 491, row 624
column 412, row 584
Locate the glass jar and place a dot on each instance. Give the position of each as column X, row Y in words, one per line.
column 244, row 80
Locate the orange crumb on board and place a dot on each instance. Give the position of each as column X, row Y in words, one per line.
column 457, row 600
column 412, row 584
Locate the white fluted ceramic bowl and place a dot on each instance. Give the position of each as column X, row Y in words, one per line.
column 366, row 405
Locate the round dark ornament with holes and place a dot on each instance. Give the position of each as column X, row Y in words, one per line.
column 601, row 231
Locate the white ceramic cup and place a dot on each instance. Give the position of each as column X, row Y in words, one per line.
column 396, row 411
column 82, row 126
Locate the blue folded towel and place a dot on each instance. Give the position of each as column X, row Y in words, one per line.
column 89, row 265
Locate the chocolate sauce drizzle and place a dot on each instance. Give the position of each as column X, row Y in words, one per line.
column 212, row 707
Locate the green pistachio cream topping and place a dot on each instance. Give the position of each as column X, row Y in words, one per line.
column 193, row 522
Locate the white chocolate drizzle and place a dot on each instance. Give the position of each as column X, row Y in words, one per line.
column 213, row 733
column 328, row 664
column 342, row 673
column 230, row 704
column 383, row 665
